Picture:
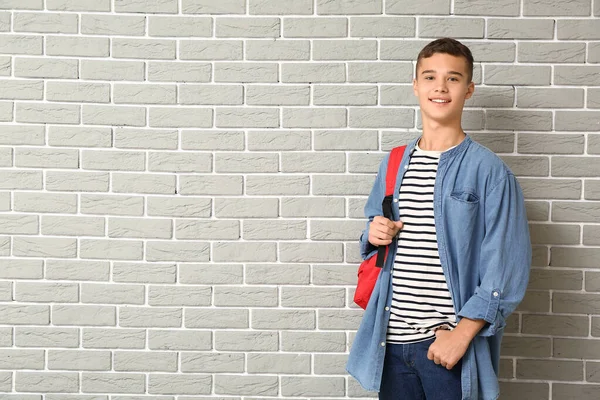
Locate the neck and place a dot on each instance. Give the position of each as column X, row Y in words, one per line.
column 438, row 137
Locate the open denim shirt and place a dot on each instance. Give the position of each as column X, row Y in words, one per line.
column 485, row 253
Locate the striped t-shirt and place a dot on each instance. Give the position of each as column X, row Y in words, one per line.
column 421, row 301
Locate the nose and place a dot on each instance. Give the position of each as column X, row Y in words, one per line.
column 442, row 87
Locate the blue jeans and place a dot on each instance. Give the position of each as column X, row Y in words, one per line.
column 409, row 375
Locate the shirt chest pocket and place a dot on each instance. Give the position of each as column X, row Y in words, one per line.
column 467, row 196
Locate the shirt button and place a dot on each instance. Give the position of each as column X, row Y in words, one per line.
column 395, row 200
column 495, row 294
column 387, row 309
column 406, row 167
column 382, row 344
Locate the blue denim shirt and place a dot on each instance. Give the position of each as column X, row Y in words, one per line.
column 485, row 253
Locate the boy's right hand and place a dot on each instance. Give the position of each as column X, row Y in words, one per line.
column 382, row 230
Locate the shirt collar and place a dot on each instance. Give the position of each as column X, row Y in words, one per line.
column 453, row 152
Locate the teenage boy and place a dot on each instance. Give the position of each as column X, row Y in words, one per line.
column 459, row 254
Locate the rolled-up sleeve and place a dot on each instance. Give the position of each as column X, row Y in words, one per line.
column 505, row 257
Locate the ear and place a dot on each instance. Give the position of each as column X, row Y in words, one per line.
column 415, row 86
column 470, row 90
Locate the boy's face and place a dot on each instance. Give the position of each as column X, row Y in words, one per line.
column 442, row 86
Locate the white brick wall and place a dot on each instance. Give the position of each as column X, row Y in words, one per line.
column 182, row 184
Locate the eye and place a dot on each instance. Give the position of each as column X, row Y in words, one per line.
column 453, row 79
column 428, row 78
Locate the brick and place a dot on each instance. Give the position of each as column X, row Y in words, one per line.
column 463, row 27
column 23, row 5
column 179, row 384
column 146, row 317
column 274, row 230
column 212, row 362
column 114, row 338
column 83, row 315
column 312, row 386
column 592, row 190
column 592, row 371
column 406, row 50
column 179, row 207
column 181, row 117
column 19, row 224
column 143, row 48
column 92, row 382
column 325, row 7
column 21, row 269
column 22, row 135
column 78, row 5
column 20, row 89
column 22, row 359
column 345, row 140
column 593, row 100
column 78, row 360
column 144, row 94
column 21, row 44
column 277, row 274
column 576, row 348
column 551, row 144
column 544, row 279
column 574, row 257
column 338, row 185
column 145, row 362
column 38, row 292
column 313, row 73
column 44, row 247
column 330, row 275
column 312, row 207
column 77, row 270
column 575, row 211
column 578, row 29
column 330, row 364
column 46, row 158
column 382, row 27
column 210, row 50
column 323, row 27
column 224, row 318
column 274, row 7
column 26, row 180
column 207, row 230
column 548, row 8
column 344, row 50
column 246, row 72
column 313, row 162
column 314, row 118
column 144, row 273
column 575, row 166
column 77, row 46
column 577, row 120
column 555, row 234
column 180, row 340
column 246, row 341
column 101, row 293
column 112, row 70
column 524, row 390
column 345, row 95
column 319, row 297
column 523, row 28
column 232, row 296
column 247, row 27
column 519, row 120
column 179, row 296
column 111, row 204
column 109, row 248
column 165, row 71
column 335, row 230
column 143, row 183
column 381, row 117
column 176, row 251
column 212, row 140
column 339, row 319
column 46, row 382
column 517, row 75
column 46, row 337
column 180, row 26
column 278, row 363
column 551, row 188
column 47, row 113
column 535, row 301
column 210, row 7
column 526, row 346
column 7, row 114
column 211, row 94
column 246, row 208
column 551, row 52
column 283, row 319
column 310, row 252
column 203, row 185
column 485, row 7
column 579, row 75
column 563, row 391
column 549, row 98
column 78, row 92
column 252, row 384
column 146, row 139
column 274, row 96
column 113, row 115
column 98, row 24
column 162, row 6
column 575, row 303
column 591, row 235
column 179, row 162
column 550, row 370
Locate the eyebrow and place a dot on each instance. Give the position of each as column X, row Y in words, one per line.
column 450, row 72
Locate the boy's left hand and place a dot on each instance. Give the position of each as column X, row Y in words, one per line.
column 448, row 347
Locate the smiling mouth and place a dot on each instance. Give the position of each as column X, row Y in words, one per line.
column 439, row 101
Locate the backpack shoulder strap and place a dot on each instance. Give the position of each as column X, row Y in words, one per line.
column 392, row 169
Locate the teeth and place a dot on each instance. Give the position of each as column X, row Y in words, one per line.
column 440, row 101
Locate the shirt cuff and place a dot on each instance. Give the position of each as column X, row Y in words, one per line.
column 484, row 305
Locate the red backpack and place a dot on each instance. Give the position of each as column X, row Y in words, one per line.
column 369, row 268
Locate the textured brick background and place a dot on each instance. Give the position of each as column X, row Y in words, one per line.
column 182, row 183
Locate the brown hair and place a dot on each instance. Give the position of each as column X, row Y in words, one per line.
column 448, row 46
